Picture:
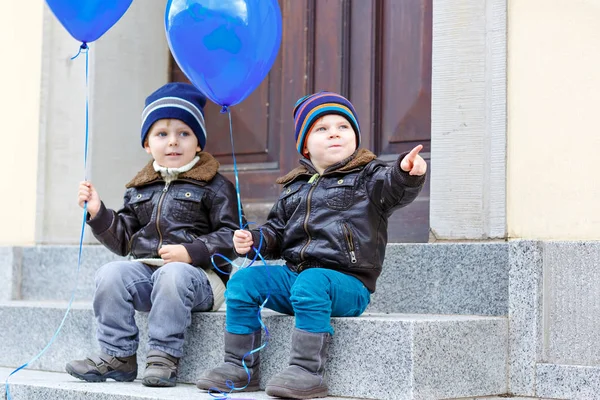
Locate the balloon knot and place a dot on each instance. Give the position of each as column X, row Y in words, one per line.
column 83, row 48
column 224, row 110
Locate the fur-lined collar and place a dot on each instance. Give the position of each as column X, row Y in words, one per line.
column 206, row 169
column 361, row 157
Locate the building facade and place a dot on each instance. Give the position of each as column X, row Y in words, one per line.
column 504, row 93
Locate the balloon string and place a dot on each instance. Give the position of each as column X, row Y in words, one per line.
column 235, row 169
column 82, row 49
column 214, row 392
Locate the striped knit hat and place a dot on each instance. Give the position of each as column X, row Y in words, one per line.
column 312, row 107
column 180, row 101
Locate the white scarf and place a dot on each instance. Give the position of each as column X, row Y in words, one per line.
column 170, row 174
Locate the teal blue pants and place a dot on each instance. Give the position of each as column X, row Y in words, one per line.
column 313, row 296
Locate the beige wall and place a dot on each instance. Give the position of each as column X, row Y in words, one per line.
column 553, row 177
column 20, row 72
column 43, row 115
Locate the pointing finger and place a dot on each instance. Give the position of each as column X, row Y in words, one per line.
column 414, row 152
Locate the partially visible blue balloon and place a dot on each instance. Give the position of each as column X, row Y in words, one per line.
column 225, row 47
column 87, row 20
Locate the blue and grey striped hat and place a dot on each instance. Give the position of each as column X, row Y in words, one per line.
column 180, row 101
column 310, row 108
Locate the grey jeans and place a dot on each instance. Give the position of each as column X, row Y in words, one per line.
column 170, row 294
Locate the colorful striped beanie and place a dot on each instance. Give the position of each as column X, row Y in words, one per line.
column 312, row 107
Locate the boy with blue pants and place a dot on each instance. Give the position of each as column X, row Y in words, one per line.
column 330, row 227
column 178, row 212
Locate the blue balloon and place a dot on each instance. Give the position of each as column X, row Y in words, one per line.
column 87, row 20
column 225, row 47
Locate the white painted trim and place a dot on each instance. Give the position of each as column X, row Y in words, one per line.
column 468, row 135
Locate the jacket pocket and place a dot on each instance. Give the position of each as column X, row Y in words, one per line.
column 340, row 192
column 187, row 205
column 350, row 242
column 142, row 206
column 291, row 198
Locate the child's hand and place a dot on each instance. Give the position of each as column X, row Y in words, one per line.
column 174, row 253
column 88, row 193
column 413, row 163
column 242, row 241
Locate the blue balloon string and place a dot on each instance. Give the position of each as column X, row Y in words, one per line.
column 256, row 255
column 83, row 48
column 235, row 169
column 215, row 392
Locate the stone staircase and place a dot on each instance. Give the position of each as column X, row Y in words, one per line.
column 437, row 328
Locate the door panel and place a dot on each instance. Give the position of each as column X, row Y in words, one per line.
column 406, row 72
column 375, row 52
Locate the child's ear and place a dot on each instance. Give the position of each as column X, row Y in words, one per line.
column 198, row 149
column 147, row 147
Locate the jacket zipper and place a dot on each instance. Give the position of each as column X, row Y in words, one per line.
column 313, row 181
column 160, row 200
column 164, row 190
column 130, row 243
column 350, row 242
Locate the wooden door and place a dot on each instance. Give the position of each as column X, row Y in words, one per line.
column 375, row 52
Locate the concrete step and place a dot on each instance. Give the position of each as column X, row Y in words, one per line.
column 453, row 278
column 376, row 356
column 42, row 385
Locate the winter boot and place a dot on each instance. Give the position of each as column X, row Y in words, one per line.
column 103, row 366
column 161, row 369
column 304, row 378
column 236, row 346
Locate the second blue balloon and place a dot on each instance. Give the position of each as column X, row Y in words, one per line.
column 225, row 48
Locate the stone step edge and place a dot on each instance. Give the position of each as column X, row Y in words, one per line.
column 26, row 383
column 567, row 381
column 367, row 315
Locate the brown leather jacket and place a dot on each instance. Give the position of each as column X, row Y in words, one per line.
column 337, row 220
column 198, row 210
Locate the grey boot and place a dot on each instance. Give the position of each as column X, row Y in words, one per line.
column 236, row 346
column 304, row 378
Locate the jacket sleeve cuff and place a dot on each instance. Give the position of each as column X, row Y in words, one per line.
column 198, row 253
column 102, row 221
column 256, row 240
column 403, row 177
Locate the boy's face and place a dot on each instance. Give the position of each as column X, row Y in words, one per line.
column 330, row 140
column 172, row 143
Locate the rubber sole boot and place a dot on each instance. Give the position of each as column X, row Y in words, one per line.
column 161, row 369
column 99, row 368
